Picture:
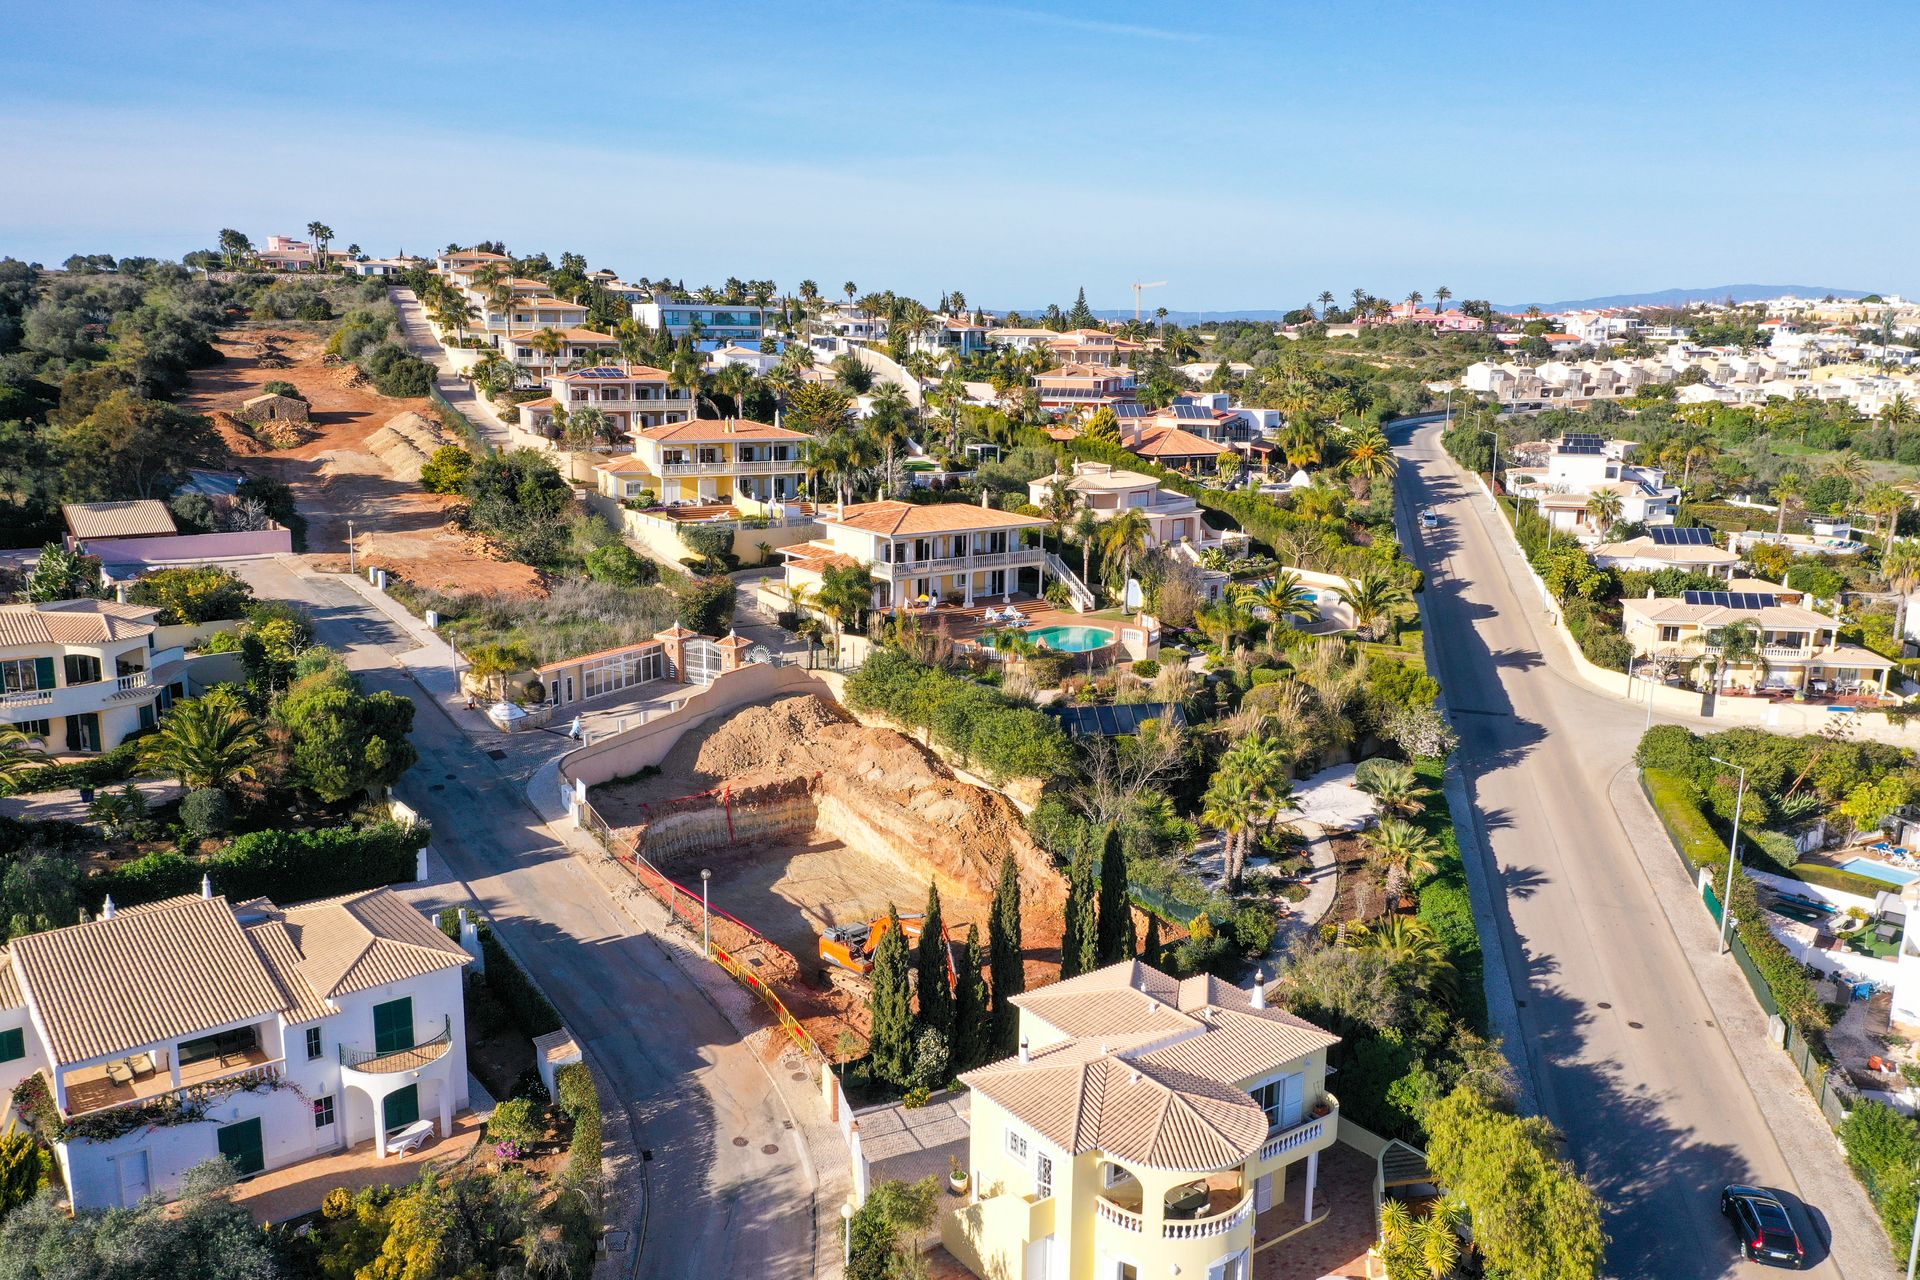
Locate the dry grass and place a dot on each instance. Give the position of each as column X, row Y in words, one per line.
column 576, row 617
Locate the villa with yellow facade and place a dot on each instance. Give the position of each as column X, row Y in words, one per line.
column 1148, row 1126
column 1797, row 648
column 945, row 553
column 701, row 461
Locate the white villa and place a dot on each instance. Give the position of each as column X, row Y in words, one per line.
column 82, row 675
column 632, row 396
column 171, row 1033
column 1582, row 465
column 1107, row 491
column 948, row 553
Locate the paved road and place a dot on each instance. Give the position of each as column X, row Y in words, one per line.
column 458, row 391
column 727, row 1191
column 1618, row 1039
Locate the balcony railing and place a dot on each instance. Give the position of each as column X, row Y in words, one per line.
column 132, row 681
column 959, row 564
column 753, row 467
column 1218, row 1225
column 1307, row 1131
column 412, row 1058
column 1125, row 1219
column 27, row 698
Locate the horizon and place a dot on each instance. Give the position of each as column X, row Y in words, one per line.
column 404, row 135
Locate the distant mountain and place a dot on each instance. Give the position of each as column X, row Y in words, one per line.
column 1680, row 297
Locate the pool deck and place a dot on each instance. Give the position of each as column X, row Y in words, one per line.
column 967, row 624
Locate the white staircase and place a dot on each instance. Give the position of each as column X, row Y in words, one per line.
column 1078, row 593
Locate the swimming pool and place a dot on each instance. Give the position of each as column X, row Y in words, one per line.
column 1072, row 639
column 1879, row 871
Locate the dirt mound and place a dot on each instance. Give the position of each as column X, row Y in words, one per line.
column 770, row 737
column 406, row 442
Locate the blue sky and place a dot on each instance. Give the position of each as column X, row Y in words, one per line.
column 1250, row 154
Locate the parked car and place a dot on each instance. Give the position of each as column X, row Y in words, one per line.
column 1430, row 519
column 1764, row 1229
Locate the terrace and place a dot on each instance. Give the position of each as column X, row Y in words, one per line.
column 144, row 1076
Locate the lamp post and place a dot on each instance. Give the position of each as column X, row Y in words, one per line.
column 351, row 565
column 706, row 930
column 846, row 1237
column 1733, row 851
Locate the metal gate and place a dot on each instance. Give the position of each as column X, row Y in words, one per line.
column 702, row 658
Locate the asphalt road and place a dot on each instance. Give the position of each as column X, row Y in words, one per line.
column 1619, row 1042
column 727, row 1192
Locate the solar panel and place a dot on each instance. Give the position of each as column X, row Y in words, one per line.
column 1733, row 599
column 1582, row 450
column 1129, row 411
column 1114, row 721
column 1191, row 411
column 1582, row 437
column 601, row 371
column 1667, row 536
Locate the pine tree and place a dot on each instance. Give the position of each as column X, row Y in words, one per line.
column 972, row 1029
column 891, row 1003
column 1005, row 955
column 1080, row 938
column 1081, row 317
column 1116, row 937
column 930, row 972
column 1150, row 953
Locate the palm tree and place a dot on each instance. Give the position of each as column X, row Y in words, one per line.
column 1414, row 299
column 1899, row 412
column 550, row 344
column 1283, row 598
column 1058, row 507
column 1603, row 510
column 1369, row 459
column 1085, row 529
column 1440, row 297
column 1886, row 503
column 1851, row 467
column 845, row 594
column 1402, row 853
column 1395, row 785
column 18, row 755
column 1900, row 566
column 735, row 382
column 1372, row 596
column 209, row 741
column 322, row 235
column 1410, row 944
column 1738, row 644
column 1326, row 302
column 1224, row 621
column 1233, row 805
column 1122, row 538
column 1786, row 493
column 684, row 374
column 850, row 289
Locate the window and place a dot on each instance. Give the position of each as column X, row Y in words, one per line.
column 1115, row 1175
column 1017, row 1145
column 22, row 675
column 227, row 1044
column 34, row 728
column 13, row 1044
column 82, row 668
column 323, row 1112
column 1669, row 634
column 1281, row 1100
column 313, row 1043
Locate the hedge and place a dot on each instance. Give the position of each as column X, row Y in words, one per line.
column 1675, row 799
column 286, row 866
column 102, row 770
column 978, row 723
column 1883, row 1148
column 529, row 1007
column 1445, row 904
column 579, row 1097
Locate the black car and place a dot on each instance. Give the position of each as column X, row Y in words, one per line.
column 1765, row 1231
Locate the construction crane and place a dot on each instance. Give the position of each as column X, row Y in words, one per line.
column 1137, row 287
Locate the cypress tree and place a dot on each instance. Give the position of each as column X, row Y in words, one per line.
column 891, row 1003
column 1116, row 936
column 972, row 1029
column 930, row 973
column 1080, row 940
column 1151, row 951
column 1004, row 954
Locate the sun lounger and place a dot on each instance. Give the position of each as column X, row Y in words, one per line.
column 404, row 1142
column 120, row 1072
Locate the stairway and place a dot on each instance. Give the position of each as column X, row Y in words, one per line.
column 1078, row 593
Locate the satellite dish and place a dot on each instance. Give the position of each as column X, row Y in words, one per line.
column 1135, row 597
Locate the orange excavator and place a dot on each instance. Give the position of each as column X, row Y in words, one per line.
column 851, row 946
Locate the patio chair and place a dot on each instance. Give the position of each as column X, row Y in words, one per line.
column 404, row 1142
column 120, row 1072
column 991, row 617
column 143, row 1065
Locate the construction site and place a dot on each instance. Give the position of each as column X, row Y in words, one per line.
column 809, row 822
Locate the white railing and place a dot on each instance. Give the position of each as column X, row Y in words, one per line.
column 755, row 467
column 1218, row 1225
column 1292, row 1139
column 1125, row 1219
column 27, row 698
column 1077, row 591
column 132, row 680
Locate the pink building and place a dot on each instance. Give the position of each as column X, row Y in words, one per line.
column 1451, row 321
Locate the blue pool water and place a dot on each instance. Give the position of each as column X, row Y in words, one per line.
column 1072, row 639
column 1879, row 871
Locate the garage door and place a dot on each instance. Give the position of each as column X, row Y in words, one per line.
column 241, row 1145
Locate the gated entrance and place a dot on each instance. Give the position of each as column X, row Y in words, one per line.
column 702, row 659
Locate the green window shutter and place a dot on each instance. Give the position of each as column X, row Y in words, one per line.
column 401, row 1108
column 13, row 1045
column 241, row 1144
column 393, row 1025
column 43, row 673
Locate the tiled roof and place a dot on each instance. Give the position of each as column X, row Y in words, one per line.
column 144, row 517
column 890, row 516
column 1667, row 609
column 719, row 429
column 281, row 957
column 584, row 336
column 9, row 985
column 143, row 976
column 817, row 557
column 1645, row 548
column 366, row 940
column 622, row 466
column 1152, row 1069
column 73, row 622
column 1172, row 442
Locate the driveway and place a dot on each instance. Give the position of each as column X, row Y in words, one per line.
column 1601, row 1004
column 727, row 1189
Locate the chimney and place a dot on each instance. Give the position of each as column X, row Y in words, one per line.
column 983, row 497
column 106, row 908
column 206, row 886
column 1024, row 1056
column 1260, row 989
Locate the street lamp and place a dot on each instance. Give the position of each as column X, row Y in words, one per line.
column 706, row 931
column 1733, row 850
column 846, row 1237
column 351, row 566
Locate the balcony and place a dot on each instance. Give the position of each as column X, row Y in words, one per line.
column 726, row 468
column 378, row 1062
column 961, row 564
column 132, row 683
column 1218, row 1224
column 96, row 1089
column 1304, row 1134
column 1126, row 1219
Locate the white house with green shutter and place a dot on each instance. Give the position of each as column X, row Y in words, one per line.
column 83, row 675
column 160, row 1036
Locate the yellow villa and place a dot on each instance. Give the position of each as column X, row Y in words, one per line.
column 705, row 461
column 1148, row 1126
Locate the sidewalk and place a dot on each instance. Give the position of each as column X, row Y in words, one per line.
column 1858, row 1241
column 793, row 1075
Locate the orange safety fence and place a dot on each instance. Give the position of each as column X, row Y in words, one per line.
column 685, row 904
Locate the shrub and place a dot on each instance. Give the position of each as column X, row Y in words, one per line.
column 206, row 812
column 580, row 1099
column 193, row 595
column 1146, row 668
column 516, row 1120
column 978, row 723
column 1670, row 748
column 109, row 767
column 447, row 470
column 529, row 1007
column 617, row 564
column 287, row 866
column 706, row 606
column 1883, row 1148
column 281, row 387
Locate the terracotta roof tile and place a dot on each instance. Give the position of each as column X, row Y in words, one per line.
column 891, row 516
column 366, row 940
column 142, row 518
column 719, row 429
